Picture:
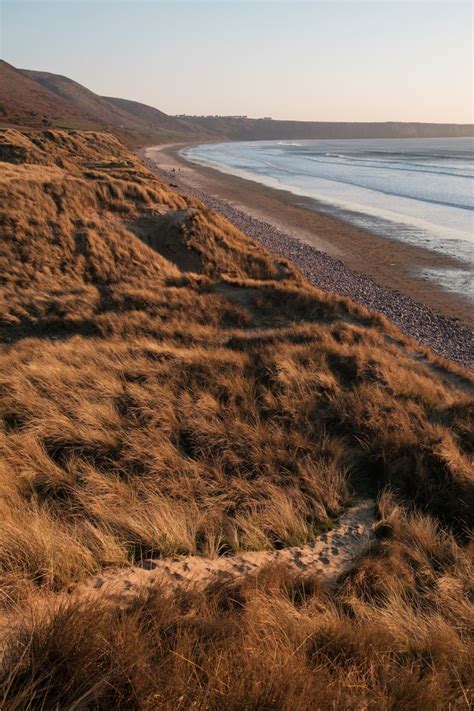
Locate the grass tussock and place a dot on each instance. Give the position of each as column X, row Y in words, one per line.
column 169, row 387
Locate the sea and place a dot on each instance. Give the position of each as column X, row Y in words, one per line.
column 416, row 190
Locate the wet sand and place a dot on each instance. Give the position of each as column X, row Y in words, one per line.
column 376, row 271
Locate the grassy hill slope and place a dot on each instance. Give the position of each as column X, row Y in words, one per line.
column 82, row 99
column 113, row 113
column 153, row 118
column 169, row 387
column 23, row 101
column 38, row 99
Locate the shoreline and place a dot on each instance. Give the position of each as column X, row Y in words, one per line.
column 333, row 255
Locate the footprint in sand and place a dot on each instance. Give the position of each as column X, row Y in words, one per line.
column 299, row 563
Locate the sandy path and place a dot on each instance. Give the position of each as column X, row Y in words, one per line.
column 331, row 554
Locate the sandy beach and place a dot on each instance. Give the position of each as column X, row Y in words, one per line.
column 379, row 272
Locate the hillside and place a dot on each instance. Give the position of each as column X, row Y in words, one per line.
column 83, row 100
column 129, row 116
column 23, row 101
column 38, row 99
column 172, row 392
column 155, row 119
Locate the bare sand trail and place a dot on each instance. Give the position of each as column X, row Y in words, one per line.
column 331, row 554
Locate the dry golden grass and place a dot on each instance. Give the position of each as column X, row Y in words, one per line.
column 395, row 635
column 168, row 386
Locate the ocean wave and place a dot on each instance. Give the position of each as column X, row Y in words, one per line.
column 388, row 165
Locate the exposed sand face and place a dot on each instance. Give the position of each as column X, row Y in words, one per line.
column 330, row 555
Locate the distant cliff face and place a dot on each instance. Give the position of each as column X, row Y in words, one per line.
column 245, row 129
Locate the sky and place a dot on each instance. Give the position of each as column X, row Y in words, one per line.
column 304, row 60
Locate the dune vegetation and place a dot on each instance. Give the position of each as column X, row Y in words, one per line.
column 169, row 387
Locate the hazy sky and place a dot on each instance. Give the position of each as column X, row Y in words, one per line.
column 334, row 61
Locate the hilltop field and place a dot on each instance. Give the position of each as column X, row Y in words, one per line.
column 173, row 392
